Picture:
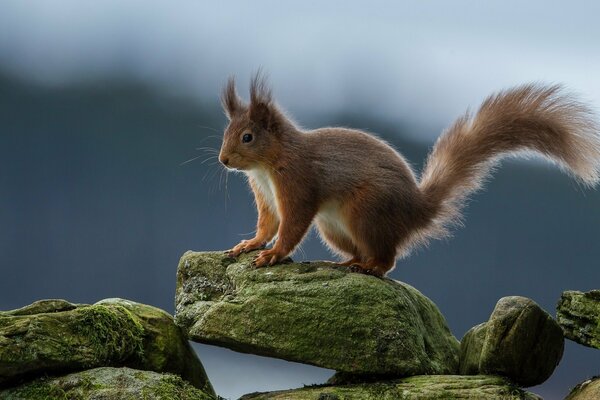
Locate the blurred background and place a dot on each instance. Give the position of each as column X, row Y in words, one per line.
column 102, row 102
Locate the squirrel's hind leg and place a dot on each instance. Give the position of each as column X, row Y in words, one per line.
column 372, row 222
column 373, row 266
column 353, row 261
column 341, row 243
column 338, row 242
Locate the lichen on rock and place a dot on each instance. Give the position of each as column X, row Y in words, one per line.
column 55, row 337
column 519, row 341
column 578, row 314
column 412, row 388
column 315, row 313
column 108, row 383
column 586, row 390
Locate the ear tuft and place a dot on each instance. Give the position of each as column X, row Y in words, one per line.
column 232, row 104
column 260, row 93
column 262, row 110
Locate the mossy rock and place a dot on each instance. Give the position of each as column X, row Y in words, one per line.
column 578, row 314
column 315, row 313
column 55, row 336
column 108, row 383
column 520, row 341
column 587, row 390
column 428, row 387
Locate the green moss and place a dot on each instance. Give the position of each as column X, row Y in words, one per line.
column 173, row 387
column 164, row 344
column 39, row 390
column 71, row 339
column 108, row 384
column 414, row 388
column 578, row 313
column 52, row 388
column 316, row 313
column 112, row 331
column 42, row 306
column 520, row 341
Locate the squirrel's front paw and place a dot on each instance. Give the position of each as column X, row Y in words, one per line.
column 245, row 246
column 268, row 257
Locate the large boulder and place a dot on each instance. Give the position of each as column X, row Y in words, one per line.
column 108, row 384
column 315, row 313
column 520, row 341
column 55, row 336
column 587, row 390
column 414, row 388
column 578, row 314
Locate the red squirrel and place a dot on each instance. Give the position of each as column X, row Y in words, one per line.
column 364, row 198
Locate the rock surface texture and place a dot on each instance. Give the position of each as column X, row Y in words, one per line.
column 108, row 384
column 587, row 390
column 315, row 313
column 520, row 341
column 413, row 388
column 578, row 314
column 56, row 337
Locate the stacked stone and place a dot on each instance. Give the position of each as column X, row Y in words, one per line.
column 114, row 349
column 578, row 314
column 385, row 339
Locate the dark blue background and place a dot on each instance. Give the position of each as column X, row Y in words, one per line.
column 94, row 203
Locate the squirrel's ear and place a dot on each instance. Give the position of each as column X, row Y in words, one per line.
column 232, row 104
column 262, row 110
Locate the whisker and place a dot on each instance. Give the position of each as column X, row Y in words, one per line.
column 226, row 190
column 220, row 178
column 191, row 159
column 208, row 127
column 212, row 176
column 207, row 149
column 209, row 158
column 226, row 194
column 206, row 173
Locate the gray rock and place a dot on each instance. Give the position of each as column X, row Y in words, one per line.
column 55, row 336
column 520, row 341
column 108, row 384
column 428, row 387
column 315, row 313
column 579, row 316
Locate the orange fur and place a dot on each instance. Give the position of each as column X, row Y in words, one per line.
column 266, row 227
column 362, row 195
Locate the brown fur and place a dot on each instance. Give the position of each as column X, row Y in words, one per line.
column 363, row 196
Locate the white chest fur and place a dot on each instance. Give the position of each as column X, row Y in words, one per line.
column 264, row 183
column 331, row 218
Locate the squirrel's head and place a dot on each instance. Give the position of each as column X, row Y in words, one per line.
column 254, row 131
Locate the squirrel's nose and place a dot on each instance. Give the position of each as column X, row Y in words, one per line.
column 224, row 160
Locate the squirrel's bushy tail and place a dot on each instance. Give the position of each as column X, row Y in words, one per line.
column 531, row 118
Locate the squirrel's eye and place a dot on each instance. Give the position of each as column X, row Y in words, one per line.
column 247, row 138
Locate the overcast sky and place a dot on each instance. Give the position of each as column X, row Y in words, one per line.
column 419, row 61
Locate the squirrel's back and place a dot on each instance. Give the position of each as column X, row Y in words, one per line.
column 347, row 159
